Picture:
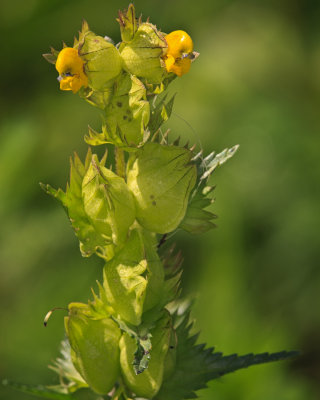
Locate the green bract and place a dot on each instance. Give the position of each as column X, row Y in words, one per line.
column 142, row 55
column 94, row 347
column 133, row 279
column 91, row 240
column 161, row 179
column 107, row 202
column 148, row 383
column 102, row 60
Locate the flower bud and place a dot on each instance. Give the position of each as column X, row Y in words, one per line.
column 142, row 55
column 107, row 202
column 161, row 179
column 133, row 279
column 102, row 60
column 94, row 347
column 148, row 383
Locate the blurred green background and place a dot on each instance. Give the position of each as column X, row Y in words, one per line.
column 257, row 277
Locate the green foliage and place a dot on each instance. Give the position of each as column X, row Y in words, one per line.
column 38, row 390
column 196, row 364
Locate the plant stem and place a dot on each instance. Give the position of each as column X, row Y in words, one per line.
column 120, row 162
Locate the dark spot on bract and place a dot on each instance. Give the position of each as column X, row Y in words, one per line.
column 125, row 117
column 119, row 104
column 128, row 112
column 154, row 203
column 151, row 196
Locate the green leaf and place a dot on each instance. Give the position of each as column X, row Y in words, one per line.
column 38, row 390
column 196, row 365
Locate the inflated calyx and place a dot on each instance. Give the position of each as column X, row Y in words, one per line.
column 161, row 179
column 94, row 347
column 133, row 279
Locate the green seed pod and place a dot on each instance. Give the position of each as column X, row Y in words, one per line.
column 133, row 279
column 102, row 60
column 94, row 347
column 107, row 202
column 142, row 55
column 161, row 179
column 148, row 383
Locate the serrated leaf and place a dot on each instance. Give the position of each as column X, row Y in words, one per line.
column 197, row 220
column 196, row 365
column 38, row 390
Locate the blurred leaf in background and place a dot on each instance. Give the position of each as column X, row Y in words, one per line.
column 257, row 276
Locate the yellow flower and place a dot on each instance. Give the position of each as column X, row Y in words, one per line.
column 180, row 52
column 70, row 67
